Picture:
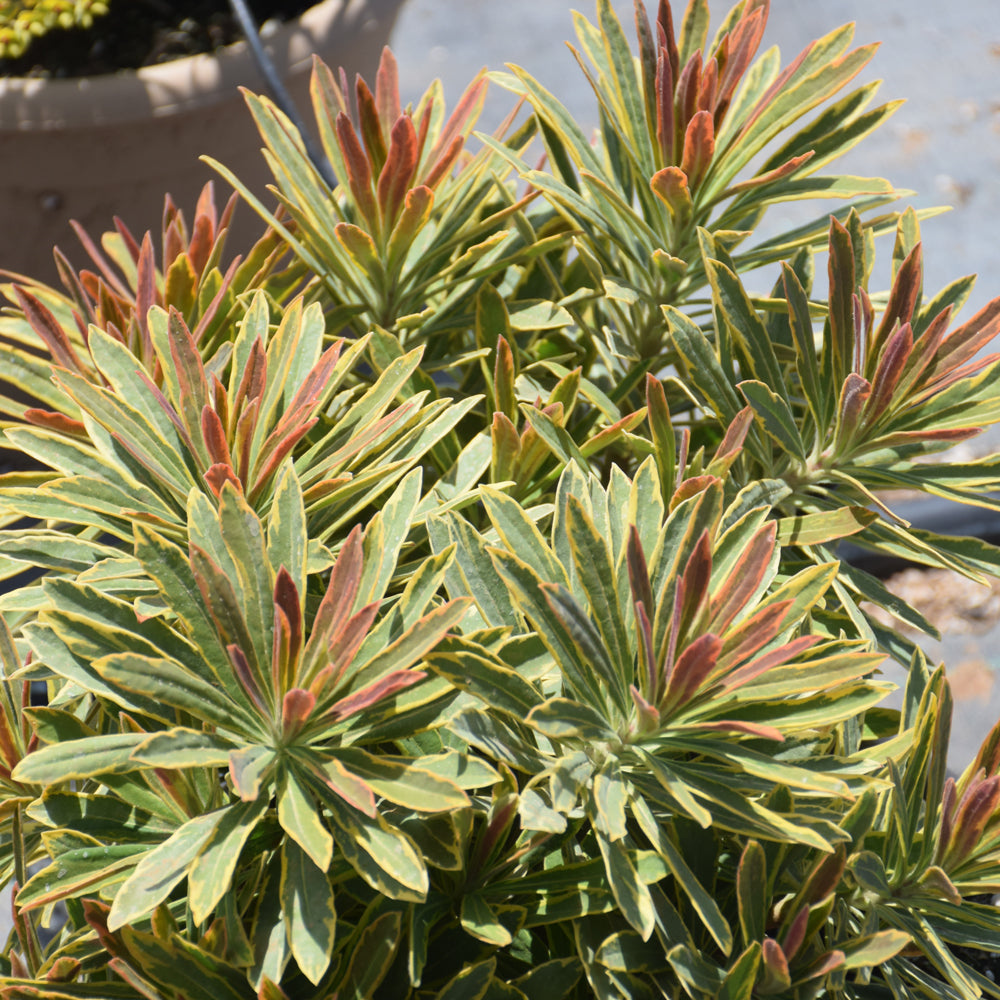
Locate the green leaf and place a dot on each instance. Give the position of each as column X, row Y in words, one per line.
column 308, row 905
column 460, row 769
column 377, row 661
column 596, row 573
column 71, row 991
column 300, row 817
column 180, row 748
column 54, row 550
column 560, row 121
column 83, row 870
column 70, row 457
column 820, row 74
column 776, row 417
column 819, row 392
column 440, row 838
column 822, row 673
column 739, row 981
column 90, row 501
column 747, row 815
column 479, row 919
column 535, row 813
column 611, row 798
column 873, row 949
column 404, row 782
column 472, row 571
column 269, row 940
column 52, row 725
column 751, row 890
column 702, row 367
column 875, row 591
column 869, row 873
column 182, row 966
column 167, row 565
column 630, row 893
column 561, row 718
column 746, row 327
column 381, row 854
column 824, row 527
column 248, row 768
column 104, row 817
column 540, row 315
column 384, row 537
column 210, row 875
column 556, row 437
column 623, row 76
column 161, row 869
column 171, row 684
column 496, row 739
column 70, row 642
column 588, row 644
column 761, row 493
column 371, row 957
column 472, row 983
column 764, row 765
column 560, row 638
column 121, row 368
column 286, row 528
column 518, row 532
column 243, row 537
column 678, row 792
column 703, row 903
column 552, row 980
column 664, row 442
column 625, row 951
column 824, row 709
column 499, row 687
column 80, row 759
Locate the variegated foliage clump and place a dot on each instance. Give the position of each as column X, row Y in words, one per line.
column 440, row 599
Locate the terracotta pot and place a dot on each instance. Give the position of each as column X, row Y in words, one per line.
column 93, row 148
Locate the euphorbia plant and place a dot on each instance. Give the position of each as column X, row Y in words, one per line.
column 456, row 611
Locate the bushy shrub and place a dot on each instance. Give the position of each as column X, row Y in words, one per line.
column 442, row 600
column 21, row 21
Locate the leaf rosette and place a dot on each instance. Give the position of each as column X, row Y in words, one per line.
column 669, row 678
column 249, row 713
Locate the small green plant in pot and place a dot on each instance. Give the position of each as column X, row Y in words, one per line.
column 21, row 21
column 443, row 600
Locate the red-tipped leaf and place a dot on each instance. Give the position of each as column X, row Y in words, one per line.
column 371, row 125
column 397, row 174
column 665, row 128
column 384, row 687
column 359, row 172
column 744, row 578
column 387, row 88
column 296, row 708
column 693, row 666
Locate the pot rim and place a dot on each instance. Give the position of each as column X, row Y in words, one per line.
column 28, row 104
